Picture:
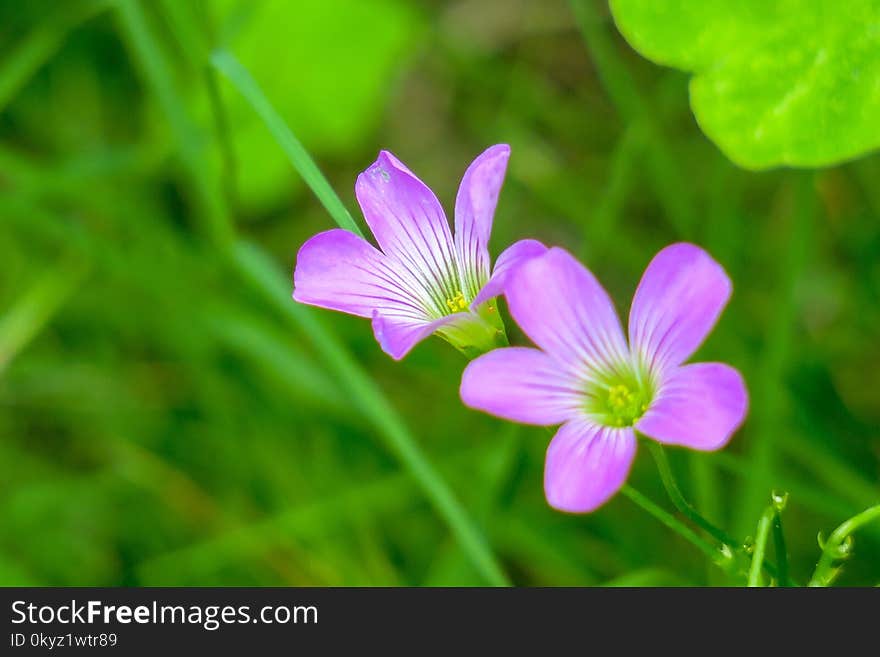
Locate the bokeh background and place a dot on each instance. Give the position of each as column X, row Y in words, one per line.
column 167, row 417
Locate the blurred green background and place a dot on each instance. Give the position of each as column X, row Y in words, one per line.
column 168, row 416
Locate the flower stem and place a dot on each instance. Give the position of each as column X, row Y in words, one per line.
column 781, row 551
column 678, row 500
column 837, row 546
column 718, row 557
column 692, row 514
column 762, row 534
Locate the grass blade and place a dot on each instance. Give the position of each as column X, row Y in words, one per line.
column 242, row 80
column 259, row 271
column 257, row 268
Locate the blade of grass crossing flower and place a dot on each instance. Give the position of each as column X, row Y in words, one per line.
column 253, row 266
column 242, row 80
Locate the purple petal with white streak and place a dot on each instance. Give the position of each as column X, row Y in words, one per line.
column 561, row 306
column 398, row 335
column 338, row 270
column 678, row 301
column 521, row 384
column 474, row 211
column 511, row 258
column 586, row 465
column 409, row 225
column 698, row 406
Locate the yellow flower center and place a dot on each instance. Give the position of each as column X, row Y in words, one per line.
column 620, row 400
column 456, row 303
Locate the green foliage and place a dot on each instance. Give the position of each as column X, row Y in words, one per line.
column 325, row 65
column 169, row 416
column 780, row 82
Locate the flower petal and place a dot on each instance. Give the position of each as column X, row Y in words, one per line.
column 561, row 306
column 410, row 227
column 698, row 406
column 678, row 301
column 586, row 465
column 521, row 384
column 511, row 258
column 398, row 335
column 338, row 270
column 474, row 211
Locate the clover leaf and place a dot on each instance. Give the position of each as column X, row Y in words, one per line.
column 775, row 82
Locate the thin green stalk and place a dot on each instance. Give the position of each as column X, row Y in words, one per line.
column 761, row 536
column 689, row 511
column 678, row 500
column 241, row 79
column 781, row 551
column 721, row 557
column 839, row 546
column 673, row 523
column 707, row 499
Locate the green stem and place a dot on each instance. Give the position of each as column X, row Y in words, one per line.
column 834, row 549
column 668, row 479
column 716, row 556
column 678, row 500
column 781, row 551
column 762, row 534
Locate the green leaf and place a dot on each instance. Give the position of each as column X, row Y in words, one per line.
column 327, row 66
column 776, row 82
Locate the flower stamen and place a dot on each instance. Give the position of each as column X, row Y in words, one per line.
column 457, row 303
column 619, row 402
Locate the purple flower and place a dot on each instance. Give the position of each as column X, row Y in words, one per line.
column 601, row 387
column 423, row 280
